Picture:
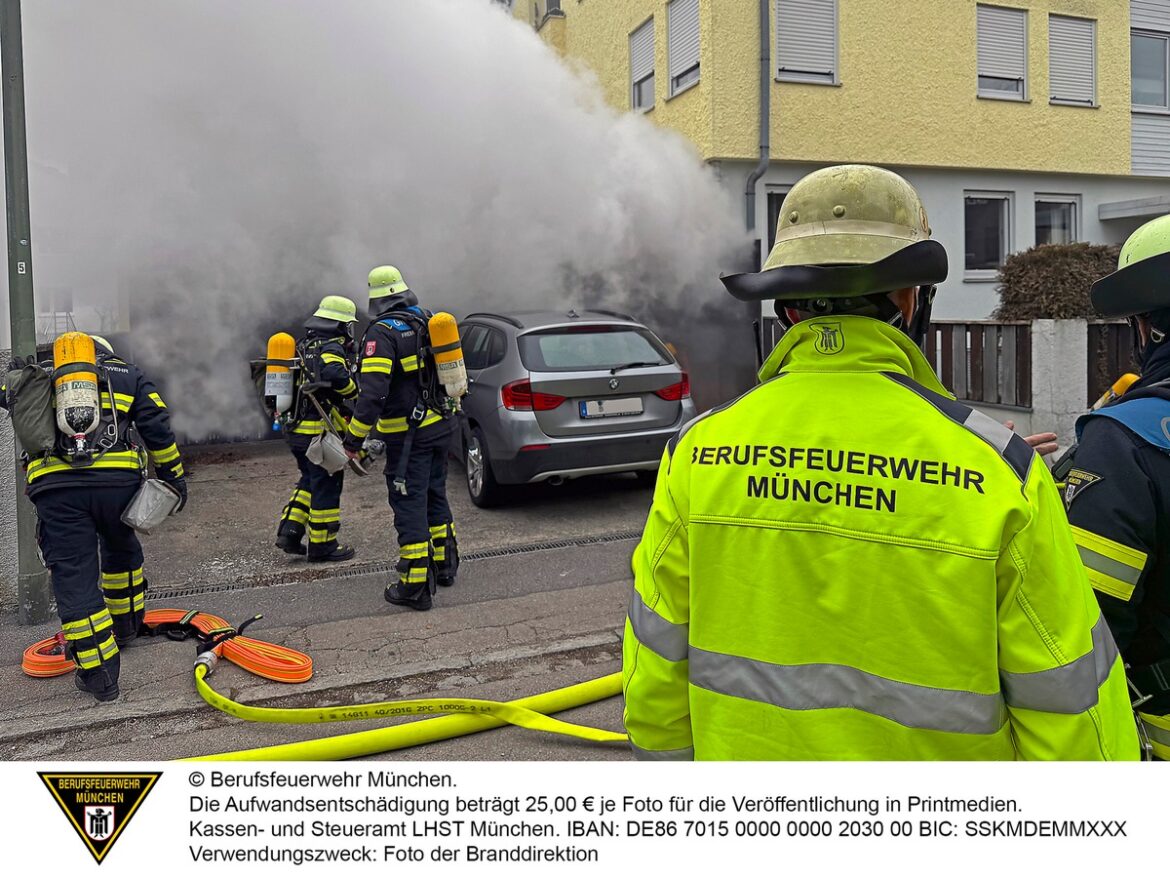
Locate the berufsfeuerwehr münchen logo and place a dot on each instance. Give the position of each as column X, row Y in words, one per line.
column 99, row 805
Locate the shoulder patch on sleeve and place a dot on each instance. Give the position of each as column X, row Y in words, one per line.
column 1076, row 482
column 371, row 347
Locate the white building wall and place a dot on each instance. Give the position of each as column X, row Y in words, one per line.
column 943, row 191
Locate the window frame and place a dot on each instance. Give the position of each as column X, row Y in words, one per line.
column 1092, row 103
column 1007, row 233
column 808, row 77
column 684, row 81
column 1024, row 95
column 1155, row 109
column 772, row 226
column 1039, row 198
column 636, row 83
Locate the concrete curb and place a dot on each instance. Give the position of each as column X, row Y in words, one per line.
column 394, row 656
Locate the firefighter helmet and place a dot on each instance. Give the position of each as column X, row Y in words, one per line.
column 388, row 290
column 1141, row 284
column 845, row 232
column 98, row 340
column 337, row 308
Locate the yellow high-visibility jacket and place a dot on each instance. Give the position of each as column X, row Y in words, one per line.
column 845, row 563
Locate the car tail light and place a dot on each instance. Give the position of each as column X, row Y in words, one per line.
column 518, row 397
column 544, row 447
column 675, row 392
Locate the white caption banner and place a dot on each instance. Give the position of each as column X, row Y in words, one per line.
column 520, row 818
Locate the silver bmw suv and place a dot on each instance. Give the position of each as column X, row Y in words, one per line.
column 557, row 395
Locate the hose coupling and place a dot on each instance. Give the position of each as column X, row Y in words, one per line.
column 209, row 660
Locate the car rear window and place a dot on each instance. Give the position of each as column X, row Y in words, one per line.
column 590, row 347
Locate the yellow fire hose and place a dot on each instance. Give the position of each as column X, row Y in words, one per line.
column 49, row 658
column 472, row 715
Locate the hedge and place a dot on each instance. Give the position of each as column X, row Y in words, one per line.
column 1052, row 281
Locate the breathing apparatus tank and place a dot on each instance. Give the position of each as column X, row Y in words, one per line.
column 1116, row 391
column 75, row 388
column 1064, row 465
column 279, row 380
column 448, row 353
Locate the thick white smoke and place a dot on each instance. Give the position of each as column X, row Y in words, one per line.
column 222, row 164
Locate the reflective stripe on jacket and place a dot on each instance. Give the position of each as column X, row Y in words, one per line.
column 388, row 377
column 845, row 563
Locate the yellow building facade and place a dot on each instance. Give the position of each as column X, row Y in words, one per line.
column 1020, row 122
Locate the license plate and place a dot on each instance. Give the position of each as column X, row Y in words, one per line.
column 610, row 408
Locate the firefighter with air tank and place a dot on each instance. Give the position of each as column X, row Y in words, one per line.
column 411, row 379
column 320, row 391
column 82, row 477
column 1118, row 486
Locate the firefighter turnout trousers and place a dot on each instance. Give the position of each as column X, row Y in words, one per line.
column 315, row 505
column 422, row 517
column 95, row 562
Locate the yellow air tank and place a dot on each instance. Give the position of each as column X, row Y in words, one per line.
column 278, row 375
column 75, row 388
column 448, row 354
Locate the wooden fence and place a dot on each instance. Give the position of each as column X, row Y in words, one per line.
column 1110, row 356
column 983, row 360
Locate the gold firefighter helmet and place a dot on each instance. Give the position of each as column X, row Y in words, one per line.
column 844, row 232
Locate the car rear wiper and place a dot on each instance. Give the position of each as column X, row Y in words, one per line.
column 617, row 369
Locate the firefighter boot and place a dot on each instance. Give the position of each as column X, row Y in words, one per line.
column 339, row 553
column 416, row 595
column 100, row 682
column 290, row 538
column 109, row 693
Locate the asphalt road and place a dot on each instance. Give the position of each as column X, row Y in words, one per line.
column 227, row 529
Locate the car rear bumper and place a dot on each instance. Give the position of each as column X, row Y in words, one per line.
column 546, row 457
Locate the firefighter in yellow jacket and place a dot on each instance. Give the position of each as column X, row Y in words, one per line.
column 845, row 562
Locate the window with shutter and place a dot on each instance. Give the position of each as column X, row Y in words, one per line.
column 1003, row 52
column 1149, row 14
column 806, row 41
column 1072, row 60
column 642, row 67
column 682, row 43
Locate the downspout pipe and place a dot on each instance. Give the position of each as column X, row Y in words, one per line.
column 765, row 116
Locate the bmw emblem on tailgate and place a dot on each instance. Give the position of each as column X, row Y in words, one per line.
column 613, row 383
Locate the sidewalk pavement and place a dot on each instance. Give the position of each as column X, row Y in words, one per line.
column 515, row 625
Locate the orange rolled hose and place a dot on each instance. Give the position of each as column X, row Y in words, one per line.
column 47, row 658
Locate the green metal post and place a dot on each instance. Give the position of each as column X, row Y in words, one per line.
column 32, row 585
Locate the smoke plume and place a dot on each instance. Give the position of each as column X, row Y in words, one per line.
column 219, row 165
